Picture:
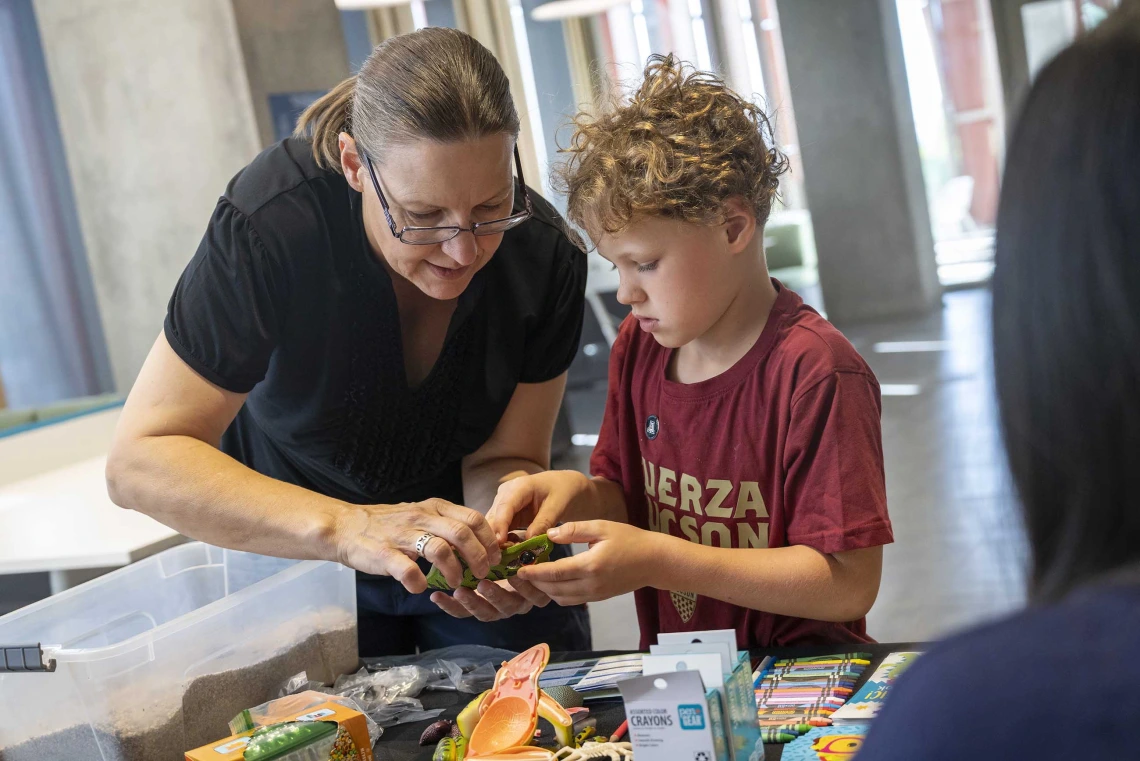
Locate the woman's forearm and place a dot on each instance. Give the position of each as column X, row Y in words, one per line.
column 207, row 495
column 481, row 480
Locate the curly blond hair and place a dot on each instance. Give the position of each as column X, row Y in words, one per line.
column 682, row 146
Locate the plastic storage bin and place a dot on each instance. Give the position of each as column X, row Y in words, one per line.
column 157, row 657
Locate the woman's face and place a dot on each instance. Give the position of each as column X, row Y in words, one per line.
column 430, row 184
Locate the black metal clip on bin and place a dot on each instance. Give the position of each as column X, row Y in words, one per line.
column 25, row 658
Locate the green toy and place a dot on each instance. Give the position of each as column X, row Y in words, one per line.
column 450, row 749
column 529, row 552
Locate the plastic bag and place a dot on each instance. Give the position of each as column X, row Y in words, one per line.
column 402, row 711
column 386, row 689
column 403, row 681
column 301, row 683
column 460, row 668
column 284, row 708
column 387, row 698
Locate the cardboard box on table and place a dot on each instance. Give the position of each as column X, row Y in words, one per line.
column 743, row 724
column 673, row 716
column 726, row 688
column 233, row 748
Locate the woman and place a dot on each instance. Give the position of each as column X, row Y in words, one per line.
column 1058, row 680
column 374, row 332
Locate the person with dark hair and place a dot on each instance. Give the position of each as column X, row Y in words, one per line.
column 1058, row 680
column 373, row 336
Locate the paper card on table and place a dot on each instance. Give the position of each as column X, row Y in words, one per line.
column 581, row 666
column 728, row 636
column 602, row 696
column 568, row 674
column 607, row 672
column 707, row 664
column 727, row 654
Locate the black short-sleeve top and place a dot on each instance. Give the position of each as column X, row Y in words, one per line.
column 286, row 301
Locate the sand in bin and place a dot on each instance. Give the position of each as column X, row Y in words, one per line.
column 209, row 701
column 79, row 742
column 208, row 704
column 74, row 742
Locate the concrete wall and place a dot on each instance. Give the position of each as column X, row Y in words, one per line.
column 289, row 46
column 156, row 117
column 862, row 170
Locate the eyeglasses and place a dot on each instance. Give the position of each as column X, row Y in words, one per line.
column 426, row 236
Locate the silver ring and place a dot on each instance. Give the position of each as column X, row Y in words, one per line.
column 422, row 543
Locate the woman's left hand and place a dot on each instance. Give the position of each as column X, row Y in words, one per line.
column 621, row 559
column 493, row 601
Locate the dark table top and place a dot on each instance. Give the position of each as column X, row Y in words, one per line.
column 401, row 743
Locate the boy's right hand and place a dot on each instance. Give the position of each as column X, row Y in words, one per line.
column 535, row 502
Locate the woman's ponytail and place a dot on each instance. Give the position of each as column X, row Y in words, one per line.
column 436, row 84
column 325, row 119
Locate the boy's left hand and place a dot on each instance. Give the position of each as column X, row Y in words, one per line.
column 620, row 560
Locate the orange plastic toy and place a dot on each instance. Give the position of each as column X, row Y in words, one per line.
column 500, row 723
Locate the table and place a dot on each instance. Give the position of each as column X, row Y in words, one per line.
column 56, row 444
column 401, row 743
column 62, row 522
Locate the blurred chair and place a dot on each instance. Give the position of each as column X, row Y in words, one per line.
column 789, row 248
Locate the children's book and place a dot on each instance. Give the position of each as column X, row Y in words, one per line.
column 865, row 703
column 827, row 744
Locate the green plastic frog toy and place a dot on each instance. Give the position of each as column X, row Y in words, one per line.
column 528, row 552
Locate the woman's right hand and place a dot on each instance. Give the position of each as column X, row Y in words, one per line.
column 381, row 539
column 535, row 502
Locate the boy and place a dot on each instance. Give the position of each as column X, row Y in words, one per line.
column 738, row 476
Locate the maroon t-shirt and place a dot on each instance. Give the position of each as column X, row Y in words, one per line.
column 783, row 448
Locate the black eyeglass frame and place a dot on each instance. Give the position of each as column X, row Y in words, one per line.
column 517, row 218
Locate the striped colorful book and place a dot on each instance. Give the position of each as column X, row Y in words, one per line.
column 867, row 702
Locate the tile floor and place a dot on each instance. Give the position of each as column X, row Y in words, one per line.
column 958, row 552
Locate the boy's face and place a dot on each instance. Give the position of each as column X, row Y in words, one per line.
column 678, row 277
